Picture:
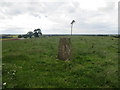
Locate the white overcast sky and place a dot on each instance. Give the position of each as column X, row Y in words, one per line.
column 55, row 16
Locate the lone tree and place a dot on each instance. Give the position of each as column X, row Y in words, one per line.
column 73, row 21
column 37, row 32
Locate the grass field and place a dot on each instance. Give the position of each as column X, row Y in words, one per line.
column 33, row 63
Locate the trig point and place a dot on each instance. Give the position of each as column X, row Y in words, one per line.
column 64, row 51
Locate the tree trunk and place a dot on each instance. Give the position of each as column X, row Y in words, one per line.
column 64, row 51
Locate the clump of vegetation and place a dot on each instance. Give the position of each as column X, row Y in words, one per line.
column 30, row 34
column 19, row 36
column 33, row 63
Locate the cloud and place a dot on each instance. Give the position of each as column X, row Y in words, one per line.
column 91, row 16
column 109, row 6
column 15, row 30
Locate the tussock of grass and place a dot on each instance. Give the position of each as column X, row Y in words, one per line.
column 33, row 63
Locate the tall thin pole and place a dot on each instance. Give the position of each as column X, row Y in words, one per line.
column 71, row 29
column 72, row 26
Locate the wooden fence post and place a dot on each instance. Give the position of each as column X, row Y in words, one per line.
column 64, row 51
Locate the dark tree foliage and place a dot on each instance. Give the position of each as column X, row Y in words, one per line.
column 30, row 34
column 37, row 32
column 19, row 36
column 25, row 36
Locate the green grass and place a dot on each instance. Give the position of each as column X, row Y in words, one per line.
column 33, row 63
